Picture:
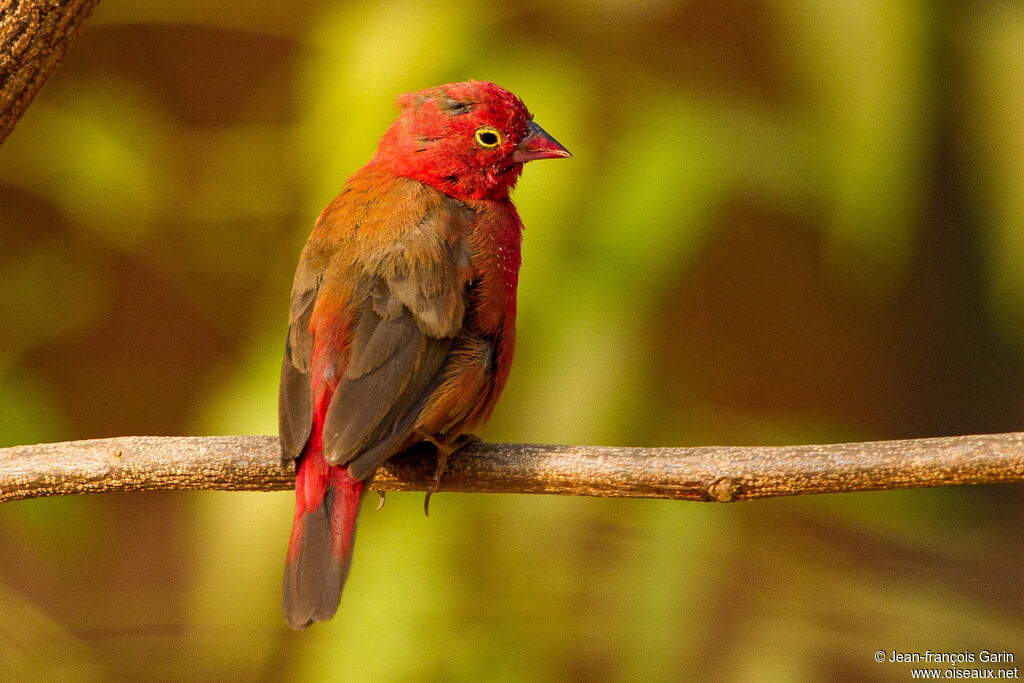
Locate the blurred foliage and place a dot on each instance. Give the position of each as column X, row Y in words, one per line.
column 784, row 222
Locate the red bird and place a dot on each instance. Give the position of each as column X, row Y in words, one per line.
column 402, row 318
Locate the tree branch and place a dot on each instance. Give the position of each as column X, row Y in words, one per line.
column 34, row 36
column 723, row 474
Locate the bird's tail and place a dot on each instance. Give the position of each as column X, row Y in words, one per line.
column 320, row 550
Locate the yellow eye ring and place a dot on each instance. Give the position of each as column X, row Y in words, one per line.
column 487, row 137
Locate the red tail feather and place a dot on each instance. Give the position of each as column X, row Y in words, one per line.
column 320, row 550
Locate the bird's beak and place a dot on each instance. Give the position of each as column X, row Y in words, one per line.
column 538, row 145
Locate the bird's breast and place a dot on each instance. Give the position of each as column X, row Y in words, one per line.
column 496, row 241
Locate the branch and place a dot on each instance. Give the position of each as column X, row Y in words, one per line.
column 34, row 36
column 723, row 474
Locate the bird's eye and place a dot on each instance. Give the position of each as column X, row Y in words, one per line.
column 487, row 137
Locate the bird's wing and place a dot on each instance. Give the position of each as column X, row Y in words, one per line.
column 381, row 327
column 295, row 398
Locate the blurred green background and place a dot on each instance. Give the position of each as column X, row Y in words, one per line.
column 785, row 222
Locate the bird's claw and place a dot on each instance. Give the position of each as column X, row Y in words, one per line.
column 444, row 450
column 442, row 462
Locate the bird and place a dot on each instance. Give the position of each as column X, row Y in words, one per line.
column 402, row 316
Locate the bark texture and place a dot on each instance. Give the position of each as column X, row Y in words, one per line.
column 34, row 37
column 714, row 474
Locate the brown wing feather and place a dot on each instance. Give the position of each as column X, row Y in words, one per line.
column 387, row 377
column 295, row 409
column 406, row 299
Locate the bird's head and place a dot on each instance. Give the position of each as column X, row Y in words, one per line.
column 469, row 140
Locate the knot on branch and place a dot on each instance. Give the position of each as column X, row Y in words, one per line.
column 722, row 490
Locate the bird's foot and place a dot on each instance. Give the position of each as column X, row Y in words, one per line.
column 444, row 450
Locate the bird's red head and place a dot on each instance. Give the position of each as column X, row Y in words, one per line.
column 468, row 140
